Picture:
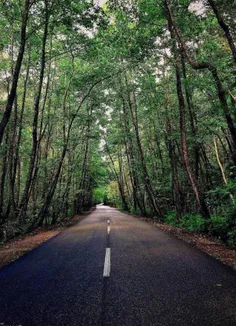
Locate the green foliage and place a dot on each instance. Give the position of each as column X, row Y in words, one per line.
column 171, row 219
column 231, row 238
column 99, row 195
column 219, row 226
column 224, row 190
column 193, row 222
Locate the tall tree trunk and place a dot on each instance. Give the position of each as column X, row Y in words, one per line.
column 198, row 194
column 224, row 27
column 80, row 198
column 182, row 110
column 146, row 180
column 3, row 180
column 177, row 193
column 11, row 168
column 12, row 94
column 31, row 171
column 45, row 208
column 131, row 162
column 193, row 122
column 121, row 189
column 221, row 167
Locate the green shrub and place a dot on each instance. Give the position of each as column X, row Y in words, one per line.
column 231, row 235
column 193, row 222
column 171, row 219
column 219, row 226
column 149, row 211
column 134, row 211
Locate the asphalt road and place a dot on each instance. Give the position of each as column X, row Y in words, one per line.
column 149, row 278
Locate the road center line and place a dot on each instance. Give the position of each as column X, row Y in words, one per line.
column 108, row 229
column 107, row 263
column 108, row 221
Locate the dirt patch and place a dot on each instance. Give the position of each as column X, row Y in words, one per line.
column 206, row 243
column 17, row 247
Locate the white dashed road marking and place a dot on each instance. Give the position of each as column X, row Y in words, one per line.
column 107, row 263
column 108, row 229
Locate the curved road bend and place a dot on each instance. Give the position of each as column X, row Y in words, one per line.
column 113, row 269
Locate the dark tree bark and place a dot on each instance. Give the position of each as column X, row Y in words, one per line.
column 199, row 196
column 12, row 94
column 137, row 197
column 177, row 194
column 3, row 180
column 193, row 122
column 80, row 197
column 17, row 149
column 224, row 27
column 182, row 110
column 33, row 155
column 146, row 180
column 11, row 165
column 121, row 189
column 48, row 199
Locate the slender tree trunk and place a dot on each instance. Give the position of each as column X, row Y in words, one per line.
column 11, row 168
column 192, row 117
column 146, row 180
column 182, row 110
column 31, row 171
column 207, row 168
column 3, row 179
column 221, row 167
column 45, row 208
column 224, row 27
column 12, row 94
column 121, row 190
column 79, row 202
column 199, row 196
column 131, row 162
column 17, row 162
column 177, row 194
column 122, row 184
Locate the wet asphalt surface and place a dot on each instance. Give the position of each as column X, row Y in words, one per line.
column 155, row 279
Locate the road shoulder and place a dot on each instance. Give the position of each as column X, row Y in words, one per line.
column 17, row 247
column 211, row 246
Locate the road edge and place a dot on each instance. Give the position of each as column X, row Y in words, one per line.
column 203, row 242
column 21, row 254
